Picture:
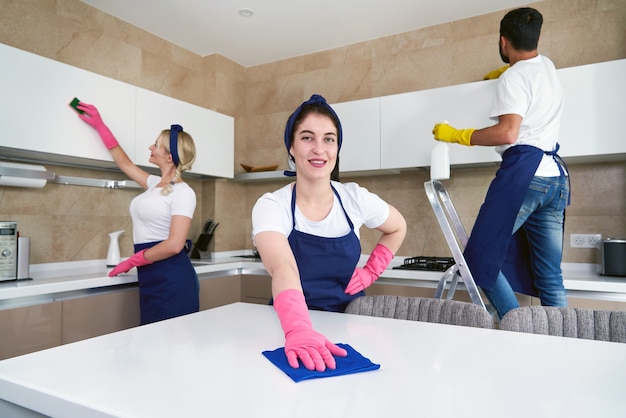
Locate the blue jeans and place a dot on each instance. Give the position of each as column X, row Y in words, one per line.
column 542, row 215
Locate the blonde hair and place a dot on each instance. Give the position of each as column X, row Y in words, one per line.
column 186, row 154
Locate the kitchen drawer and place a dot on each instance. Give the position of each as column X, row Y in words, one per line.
column 29, row 329
column 93, row 316
column 256, row 289
column 219, row 291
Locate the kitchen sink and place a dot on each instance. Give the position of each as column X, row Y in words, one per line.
column 196, row 262
column 200, row 262
column 251, row 256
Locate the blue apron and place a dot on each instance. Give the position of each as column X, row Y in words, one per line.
column 325, row 264
column 491, row 247
column 167, row 288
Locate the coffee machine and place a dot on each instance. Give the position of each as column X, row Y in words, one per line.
column 8, row 250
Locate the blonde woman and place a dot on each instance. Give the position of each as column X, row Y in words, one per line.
column 162, row 214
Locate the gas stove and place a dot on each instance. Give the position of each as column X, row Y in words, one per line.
column 426, row 263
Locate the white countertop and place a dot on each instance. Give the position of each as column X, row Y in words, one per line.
column 57, row 278
column 54, row 278
column 210, row 364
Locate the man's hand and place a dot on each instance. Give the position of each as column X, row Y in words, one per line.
column 446, row 133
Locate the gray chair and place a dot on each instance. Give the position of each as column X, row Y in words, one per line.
column 443, row 311
column 567, row 322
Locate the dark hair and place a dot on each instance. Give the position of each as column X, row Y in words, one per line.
column 335, row 173
column 522, row 27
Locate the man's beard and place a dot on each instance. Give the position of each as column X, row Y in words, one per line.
column 502, row 56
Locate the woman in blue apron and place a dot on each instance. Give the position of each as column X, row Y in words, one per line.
column 162, row 214
column 307, row 234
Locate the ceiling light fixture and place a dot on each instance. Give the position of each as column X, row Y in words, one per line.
column 246, row 12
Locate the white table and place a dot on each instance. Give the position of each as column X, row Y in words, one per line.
column 210, row 364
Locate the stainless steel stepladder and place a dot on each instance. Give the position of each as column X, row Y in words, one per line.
column 455, row 236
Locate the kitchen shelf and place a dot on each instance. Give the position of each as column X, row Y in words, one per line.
column 24, row 171
column 262, row 176
column 278, row 175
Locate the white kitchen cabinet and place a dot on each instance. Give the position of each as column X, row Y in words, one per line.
column 35, row 115
column 591, row 125
column 213, row 133
column 39, row 124
column 360, row 123
column 407, row 121
column 593, row 114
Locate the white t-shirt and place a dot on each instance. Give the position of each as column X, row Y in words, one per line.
column 152, row 212
column 272, row 212
column 531, row 89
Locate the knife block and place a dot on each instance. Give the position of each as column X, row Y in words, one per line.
column 201, row 247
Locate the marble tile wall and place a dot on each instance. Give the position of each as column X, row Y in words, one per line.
column 71, row 222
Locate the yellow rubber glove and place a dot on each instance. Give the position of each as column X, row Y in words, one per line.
column 492, row 75
column 446, row 133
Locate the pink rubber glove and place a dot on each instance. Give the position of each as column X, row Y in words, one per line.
column 92, row 117
column 301, row 341
column 376, row 264
column 136, row 260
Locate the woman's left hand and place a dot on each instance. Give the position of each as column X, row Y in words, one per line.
column 362, row 278
column 136, row 260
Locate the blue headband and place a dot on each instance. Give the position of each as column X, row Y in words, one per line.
column 315, row 100
column 174, row 130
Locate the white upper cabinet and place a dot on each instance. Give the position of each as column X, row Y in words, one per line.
column 213, row 133
column 360, row 123
column 591, row 125
column 407, row 121
column 594, row 107
column 37, row 121
column 35, row 115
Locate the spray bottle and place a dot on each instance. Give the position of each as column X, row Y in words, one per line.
column 113, row 255
column 440, row 161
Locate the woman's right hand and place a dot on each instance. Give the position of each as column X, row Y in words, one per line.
column 302, row 342
column 313, row 349
column 92, row 117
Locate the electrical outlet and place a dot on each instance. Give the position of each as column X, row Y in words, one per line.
column 585, row 240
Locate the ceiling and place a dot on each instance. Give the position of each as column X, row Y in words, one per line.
column 280, row 29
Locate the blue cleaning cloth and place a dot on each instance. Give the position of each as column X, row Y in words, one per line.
column 354, row 362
